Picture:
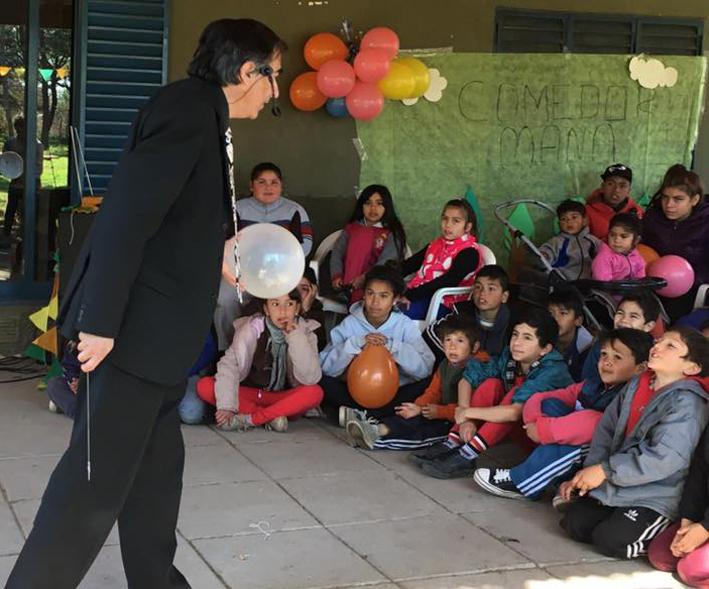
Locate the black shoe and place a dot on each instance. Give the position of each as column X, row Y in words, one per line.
column 430, row 453
column 451, row 466
column 498, row 482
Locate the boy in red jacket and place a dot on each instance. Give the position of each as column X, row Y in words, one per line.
column 563, row 421
column 611, row 198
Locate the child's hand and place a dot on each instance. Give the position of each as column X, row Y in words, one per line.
column 567, row 490
column 375, row 339
column 358, row 282
column 588, row 479
column 404, row 303
column 337, row 283
column 532, row 432
column 430, row 411
column 290, row 327
column 74, row 385
column 461, row 414
column 689, row 537
column 408, row 410
column 306, row 301
column 223, row 416
column 467, row 431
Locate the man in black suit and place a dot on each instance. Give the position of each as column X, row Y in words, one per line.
column 140, row 301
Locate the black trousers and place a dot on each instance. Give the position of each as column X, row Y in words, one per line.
column 336, row 394
column 621, row 532
column 14, row 197
column 137, row 460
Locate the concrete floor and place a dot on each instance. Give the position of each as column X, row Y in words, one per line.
column 303, row 510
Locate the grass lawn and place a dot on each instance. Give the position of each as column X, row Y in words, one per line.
column 54, row 173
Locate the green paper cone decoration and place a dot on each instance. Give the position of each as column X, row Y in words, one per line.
column 522, row 220
column 470, row 197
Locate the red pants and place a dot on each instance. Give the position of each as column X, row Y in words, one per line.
column 693, row 569
column 491, row 393
column 263, row 406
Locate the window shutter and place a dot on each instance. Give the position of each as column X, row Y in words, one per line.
column 126, row 61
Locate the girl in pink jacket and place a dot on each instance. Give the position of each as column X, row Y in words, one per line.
column 271, row 370
column 618, row 257
column 562, row 422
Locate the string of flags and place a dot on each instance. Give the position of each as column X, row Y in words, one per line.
column 46, row 73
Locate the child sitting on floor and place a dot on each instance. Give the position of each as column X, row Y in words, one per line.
column 566, row 307
column 573, row 249
column 618, row 257
column 683, row 547
column 271, row 370
column 611, row 198
column 453, row 259
column 372, row 236
column 485, row 309
column 430, row 417
column 375, row 321
column 634, row 472
column 491, row 395
column 562, row 422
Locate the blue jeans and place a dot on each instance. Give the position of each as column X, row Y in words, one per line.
column 192, row 409
column 549, row 464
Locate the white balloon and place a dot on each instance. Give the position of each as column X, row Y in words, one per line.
column 272, row 260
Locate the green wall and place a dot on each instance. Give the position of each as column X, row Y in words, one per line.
column 316, row 151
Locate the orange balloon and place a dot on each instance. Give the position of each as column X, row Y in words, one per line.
column 373, row 378
column 304, row 92
column 648, row 254
column 324, row 47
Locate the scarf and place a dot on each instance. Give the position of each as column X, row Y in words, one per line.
column 277, row 344
column 512, row 372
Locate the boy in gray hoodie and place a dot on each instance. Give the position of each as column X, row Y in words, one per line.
column 635, row 470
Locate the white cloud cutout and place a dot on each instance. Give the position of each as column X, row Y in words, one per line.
column 651, row 73
column 435, row 89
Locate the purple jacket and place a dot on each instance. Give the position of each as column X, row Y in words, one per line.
column 688, row 238
column 610, row 266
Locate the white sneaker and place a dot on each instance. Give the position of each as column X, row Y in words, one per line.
column 53, row 407
column 280, row 424
column 240, row 422
column 362, row 432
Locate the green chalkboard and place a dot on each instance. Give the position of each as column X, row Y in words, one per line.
column 528, row 126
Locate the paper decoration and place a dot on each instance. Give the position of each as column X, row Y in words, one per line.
column 644, row 201
column 53, row 307
column 521, row 220
column 20, row 71
column 435, row 89
column 40, row 318
column 48, row 341
column 470, row 197
column 36, row 352
column 46, row 74
column 4, row 70
column 62, row 72
column 652, row 73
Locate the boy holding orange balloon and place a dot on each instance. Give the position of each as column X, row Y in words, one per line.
column 491, row 395
column 429, row 418
column 374, row 321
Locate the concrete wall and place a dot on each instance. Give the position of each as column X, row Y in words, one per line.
column 314, row 150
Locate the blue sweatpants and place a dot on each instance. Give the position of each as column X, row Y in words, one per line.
column 548, row 464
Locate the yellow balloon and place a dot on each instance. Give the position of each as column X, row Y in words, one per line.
column 399, row 82
column 422, row 78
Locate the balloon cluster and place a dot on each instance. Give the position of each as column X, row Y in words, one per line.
column 357, row 82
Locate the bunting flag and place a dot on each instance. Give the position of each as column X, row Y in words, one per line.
column 470, row 197
column 48, row 341
column 36, row 352
column 4, row 70
column 644, row 200
column 46, row 74
column 20, row 71
column 40, row 318
column 62, row 72
column 520, row 220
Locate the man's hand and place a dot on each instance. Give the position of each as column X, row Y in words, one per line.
column 567, row 490
column 430, row 411
column 588, row 479
column 375, row 339
column 532, row 432
column 408, row 410
column 92, row 350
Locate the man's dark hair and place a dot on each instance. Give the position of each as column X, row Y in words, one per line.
column 226, row 45
column 697, row 346
column 647, row 302
column 568, row 299
column 570, row 206
column 462, row 323
column 386, row 274
column 265, row 167
column 543, row 323
column 638, row 342
column 495, row 272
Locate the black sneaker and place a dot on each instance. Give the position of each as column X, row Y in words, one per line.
column 451, row 466
column 498, row 482
column 431, row 453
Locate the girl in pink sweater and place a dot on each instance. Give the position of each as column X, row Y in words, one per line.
column 618, row 257
column 372, row 236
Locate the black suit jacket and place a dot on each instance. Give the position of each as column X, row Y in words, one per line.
column 148, row 273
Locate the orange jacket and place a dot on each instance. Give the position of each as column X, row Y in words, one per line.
column 599, row 214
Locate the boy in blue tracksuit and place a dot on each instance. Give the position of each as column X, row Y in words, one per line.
column 375, row 321
column 566, row 307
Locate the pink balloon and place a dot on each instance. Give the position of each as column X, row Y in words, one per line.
column 381, row 38
column 336, row 78
column 678, row 273
column 365, row 102
column 371, row 65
